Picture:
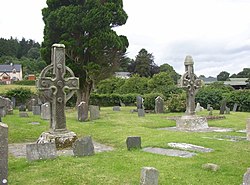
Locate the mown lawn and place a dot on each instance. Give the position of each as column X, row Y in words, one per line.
column 123, row 167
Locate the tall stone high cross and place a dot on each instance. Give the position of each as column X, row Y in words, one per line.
column 57, row 84
column 191, row 83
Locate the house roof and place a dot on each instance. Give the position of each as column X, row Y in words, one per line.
column 9, row 68
column 236, row 81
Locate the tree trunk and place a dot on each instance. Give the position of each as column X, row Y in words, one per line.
column 83, row 94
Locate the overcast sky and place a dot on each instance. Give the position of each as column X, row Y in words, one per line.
column 215, row 32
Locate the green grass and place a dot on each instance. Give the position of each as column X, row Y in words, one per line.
column 123, row 167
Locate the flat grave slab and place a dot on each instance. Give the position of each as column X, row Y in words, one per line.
column 209, row 129
column 242, row 131
column 191, row 147
column 169, row 152
column 227, row 138
column 19, row 149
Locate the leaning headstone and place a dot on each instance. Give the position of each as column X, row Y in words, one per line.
column 81, row 111
column 3, row 154
column 45, row 111
column 83, row 147
column 159, row 105
column 116, row 108
column 235, row 107
column 94, row 112
column 36, row 110
column 57, row 83
column 248, row 129
column 246, row 177
column 141, row 113
column 149, row 176
column 133, row 142
column 41, row 151
column 223, row 107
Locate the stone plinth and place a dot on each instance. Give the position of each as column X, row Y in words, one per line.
column 62, row 139
column 191, row 122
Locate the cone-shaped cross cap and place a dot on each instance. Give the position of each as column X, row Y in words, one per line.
column 58, row 45
column 188, row 60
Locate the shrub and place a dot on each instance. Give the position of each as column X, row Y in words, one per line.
column 149, row 100
column 25, row 82
column 21, row 94
column 176, row 103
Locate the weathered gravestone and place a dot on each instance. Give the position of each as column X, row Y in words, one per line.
column 235, row 107
column 31, row 103
column 133, row 142
column 45, row 111
column 57, row 84
column 208, row 107
column 13, row 100
column 246, row 177
column 210, row 111
column 198, row 107
column 23, row 114
column 3, row 154
column 2, row 112
column 140, row 106
column 248, row 129
column 190, row 83
column 159, row 105
column 40, row 151
column 22, row 108
column 36, row 110
column 223, row 106
column 7, row 105
column 83, row 147
column 116, row 108
column 81, row 111
column 94, row 112
column 227, row 110
column 149, row 176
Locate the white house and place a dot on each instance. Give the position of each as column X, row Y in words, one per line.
column 10, row 72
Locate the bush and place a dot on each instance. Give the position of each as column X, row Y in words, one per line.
column 242, row 98
column 149, row 100
column 25, row 82
column 176, row 103
column 21, row 94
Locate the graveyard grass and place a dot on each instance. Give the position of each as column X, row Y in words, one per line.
column 123, row 167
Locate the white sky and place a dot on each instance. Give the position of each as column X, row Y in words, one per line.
column 215, row 32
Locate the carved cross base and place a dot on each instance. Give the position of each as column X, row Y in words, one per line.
column 191, row 123
column 64, row 139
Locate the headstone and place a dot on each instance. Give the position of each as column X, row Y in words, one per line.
column 211, row 166
column 83, row 147
column 248, row 129
column 94, row 112
column 246, row 177
column 22, row 108
column 13, row 100
column 133, row 142
column 3, row 154
column 159, row 105
column 210, row 111
column 122, row 104
column 191, row 84
column 235, row 107
column 2, row 112
column 227, row 110
column 149, row 176
column 45, row 111
column 7, row 105
column 223, row 107
column 139, row 102
column 116, row 108
column 141, row 113
column 81, row 111
column 57, row 84
column 198, row 107
column 23, row 114
column 31, row 103
column 36, row 110
column 208, row 107
column 41, row 151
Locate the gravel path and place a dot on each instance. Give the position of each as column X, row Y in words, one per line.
column 19, row 149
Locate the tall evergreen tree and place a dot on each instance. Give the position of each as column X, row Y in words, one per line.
column 85, row 27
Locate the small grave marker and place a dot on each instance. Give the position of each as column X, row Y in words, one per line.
column 149, row 176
